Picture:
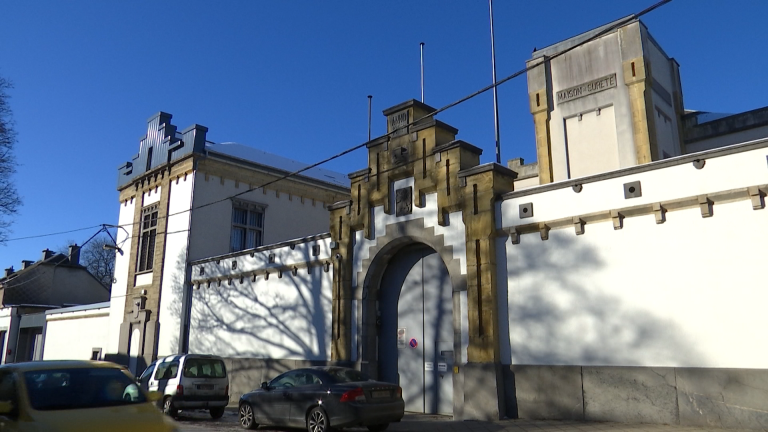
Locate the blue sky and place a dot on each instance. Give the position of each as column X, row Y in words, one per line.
column 292, row 78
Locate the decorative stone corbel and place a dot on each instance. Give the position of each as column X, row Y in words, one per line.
column 705, row 204
column 757, row 198
column 544, row 231
column 514, row 235
column 660, row 212
column 618, row 219
column 578, row 225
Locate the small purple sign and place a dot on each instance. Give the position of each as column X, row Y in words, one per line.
column 413, row 343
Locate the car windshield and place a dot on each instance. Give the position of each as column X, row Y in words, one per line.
column 341, row 375
column 204, row 368
column 76, row 388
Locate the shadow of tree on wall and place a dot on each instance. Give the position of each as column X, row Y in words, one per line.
column 560, row 316
column 261, row 331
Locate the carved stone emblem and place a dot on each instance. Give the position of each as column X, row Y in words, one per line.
column 404, row 201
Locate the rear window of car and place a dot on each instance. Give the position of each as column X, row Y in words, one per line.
column 341, row 375
column 77, row 388
column 204, row 368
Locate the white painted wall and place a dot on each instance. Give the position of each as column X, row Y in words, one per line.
column 283, row 316
column 5, row 325
column 453, row 233
column 527, row 182
column 591, row 143
column 684, row 293
column 600, row 58
column 285, row 217
column 120, row 285
column 73, row 335
column 174, row 264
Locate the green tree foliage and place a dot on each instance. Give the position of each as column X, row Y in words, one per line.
column 9, row 198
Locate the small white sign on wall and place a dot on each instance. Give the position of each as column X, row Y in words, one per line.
column 401, row 340
column 429, row 366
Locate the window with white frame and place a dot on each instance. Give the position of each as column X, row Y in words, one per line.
column 147, row 239
column 247, row 225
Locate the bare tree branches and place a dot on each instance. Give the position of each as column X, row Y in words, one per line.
column 9, row 198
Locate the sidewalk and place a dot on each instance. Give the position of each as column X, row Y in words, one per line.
column 429, row 423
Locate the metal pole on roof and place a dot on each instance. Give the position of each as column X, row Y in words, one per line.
column 422, row 70
column 369, row 116
column 495, row 92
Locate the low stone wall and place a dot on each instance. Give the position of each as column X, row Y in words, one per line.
column 704, row 397
column 246, row 374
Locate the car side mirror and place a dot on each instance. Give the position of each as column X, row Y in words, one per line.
column 265, row 386
column 6, row 407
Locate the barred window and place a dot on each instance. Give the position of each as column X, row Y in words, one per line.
column 247, row 225
column 147, row 239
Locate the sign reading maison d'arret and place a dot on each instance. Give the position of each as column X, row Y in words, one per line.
column 588, row 88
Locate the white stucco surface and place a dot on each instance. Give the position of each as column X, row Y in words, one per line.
column 453, row 233
column 120, row 285
column 73, row 335
column 5, row 325
column 684, row 293
column 283, row 316
column 734, row 171
column 175, row 264
column 286, row 317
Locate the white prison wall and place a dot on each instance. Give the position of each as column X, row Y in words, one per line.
column 648, row 293
column 73, row 333
column 272, row 302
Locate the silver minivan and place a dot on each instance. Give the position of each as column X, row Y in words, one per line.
column 189, row 381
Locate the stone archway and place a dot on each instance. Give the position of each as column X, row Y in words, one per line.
column 399, row 239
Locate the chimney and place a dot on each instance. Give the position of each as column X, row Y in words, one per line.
column 26, row 263
column 74, row 254
column 9, row 271
column 47, row 254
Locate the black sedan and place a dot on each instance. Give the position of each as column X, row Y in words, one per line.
column 321, row 398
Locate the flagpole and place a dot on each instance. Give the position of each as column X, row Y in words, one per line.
column 421, row 45
column 495, row 92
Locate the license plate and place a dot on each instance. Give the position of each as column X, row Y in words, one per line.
column 205, row 387
column 380, row 394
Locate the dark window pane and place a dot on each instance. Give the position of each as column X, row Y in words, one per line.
column 239, row 216
column 238, row 239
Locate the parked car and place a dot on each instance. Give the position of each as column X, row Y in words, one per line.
column 189, row 381
column 321, row 398
column 76, row 396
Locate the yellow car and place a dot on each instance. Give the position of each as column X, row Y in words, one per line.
column 77, row 396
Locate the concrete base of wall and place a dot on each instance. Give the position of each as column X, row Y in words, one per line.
column 246, row 374
column 727, row 398
column 483, row 392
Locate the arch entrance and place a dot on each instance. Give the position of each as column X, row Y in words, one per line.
column 416, row 338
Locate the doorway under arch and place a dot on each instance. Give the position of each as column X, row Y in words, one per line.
column 416, row 332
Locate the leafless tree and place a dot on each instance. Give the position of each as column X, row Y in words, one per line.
column 9, row 198
column 100, row 262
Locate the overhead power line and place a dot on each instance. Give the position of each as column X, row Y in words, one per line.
column 431, row 114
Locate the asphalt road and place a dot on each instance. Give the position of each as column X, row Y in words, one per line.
column 197, row 421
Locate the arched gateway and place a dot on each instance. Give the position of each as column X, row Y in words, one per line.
column 414, row 293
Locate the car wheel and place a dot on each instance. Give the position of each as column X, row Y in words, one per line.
column 168, row 407
column 317, row 421
column 216, row 412
column 246, row 416
column 378, row 427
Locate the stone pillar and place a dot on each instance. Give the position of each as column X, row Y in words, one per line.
column 637, row 77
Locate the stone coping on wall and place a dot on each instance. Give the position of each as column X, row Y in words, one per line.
column 678, row 160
